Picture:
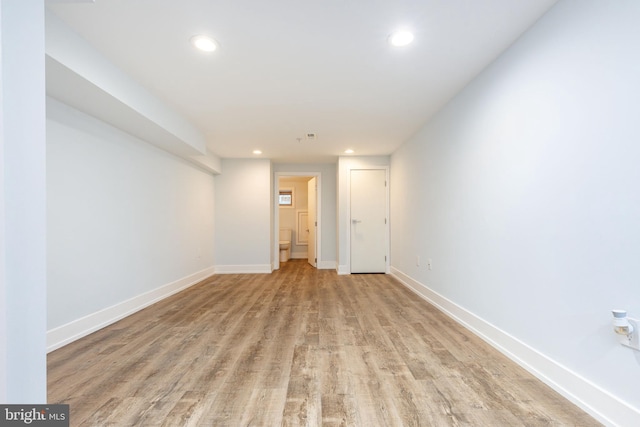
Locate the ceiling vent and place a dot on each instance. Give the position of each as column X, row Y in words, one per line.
column 311, row 136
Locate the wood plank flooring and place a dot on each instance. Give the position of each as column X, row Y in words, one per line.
column 299, row 347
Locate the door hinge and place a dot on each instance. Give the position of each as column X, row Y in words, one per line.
column 385, row 258
column 315, row 260
column 316, row 223
column 385, row 220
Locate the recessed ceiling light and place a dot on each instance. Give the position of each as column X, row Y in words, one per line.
column 256, row 152
column 400, row 38
column 204, row 43
column 349, row 151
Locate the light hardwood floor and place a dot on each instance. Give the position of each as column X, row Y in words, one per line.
column 299, row 347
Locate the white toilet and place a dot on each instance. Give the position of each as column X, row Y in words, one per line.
column 285, row 244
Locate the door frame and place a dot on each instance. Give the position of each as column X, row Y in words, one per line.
column 348, row 223
column 275, row 250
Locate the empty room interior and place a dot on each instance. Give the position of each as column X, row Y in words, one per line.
column 321, row 213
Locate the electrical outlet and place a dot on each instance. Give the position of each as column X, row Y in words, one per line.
column 429, row 264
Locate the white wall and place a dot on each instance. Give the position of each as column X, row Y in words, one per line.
column 289, row 215
column 22, row 200
column 243, row 216
column 525, row 193
column 3, row 284
column 328, row 211
column 124, row 217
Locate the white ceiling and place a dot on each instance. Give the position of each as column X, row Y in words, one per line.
column 289, row 67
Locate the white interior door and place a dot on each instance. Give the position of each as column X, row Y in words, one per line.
column 368, row 221
column 312, row 199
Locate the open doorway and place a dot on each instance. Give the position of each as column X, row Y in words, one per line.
column 296, row 217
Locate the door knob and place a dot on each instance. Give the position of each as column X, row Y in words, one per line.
column 355, row 221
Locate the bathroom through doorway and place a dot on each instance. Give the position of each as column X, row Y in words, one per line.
column 296, row 218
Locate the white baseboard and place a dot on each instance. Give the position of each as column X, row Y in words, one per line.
column 299, row 255
column 74, row 330
column 599, row 403
column 243, row 269
column 343, row 269
column 326, row 265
